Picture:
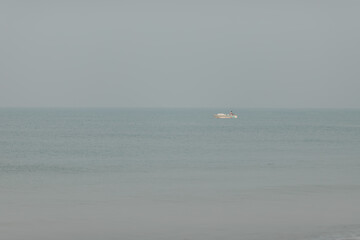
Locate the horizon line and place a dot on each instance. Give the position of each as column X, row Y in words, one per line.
column 162, row 107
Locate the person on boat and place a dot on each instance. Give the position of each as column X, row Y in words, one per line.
column 231, row 113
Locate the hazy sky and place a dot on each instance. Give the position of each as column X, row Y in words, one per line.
column 149, row 53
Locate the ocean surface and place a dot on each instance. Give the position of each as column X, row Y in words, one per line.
column 179, row 174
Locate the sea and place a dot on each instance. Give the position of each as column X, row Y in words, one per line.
column 179, row 174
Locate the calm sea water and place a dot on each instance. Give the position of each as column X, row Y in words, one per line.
column 160, row 174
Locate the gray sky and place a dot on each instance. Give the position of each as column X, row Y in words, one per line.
column 148, row 53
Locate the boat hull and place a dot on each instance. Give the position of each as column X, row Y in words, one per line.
column 221, row 115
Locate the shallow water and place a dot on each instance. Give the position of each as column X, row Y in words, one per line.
column 179, row 174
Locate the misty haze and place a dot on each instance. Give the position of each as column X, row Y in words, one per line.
column 179, row 120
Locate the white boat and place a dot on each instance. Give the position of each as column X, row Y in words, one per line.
column 223, row 115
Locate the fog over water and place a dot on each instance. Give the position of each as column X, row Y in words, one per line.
column 179, row 54
column 107, row 128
